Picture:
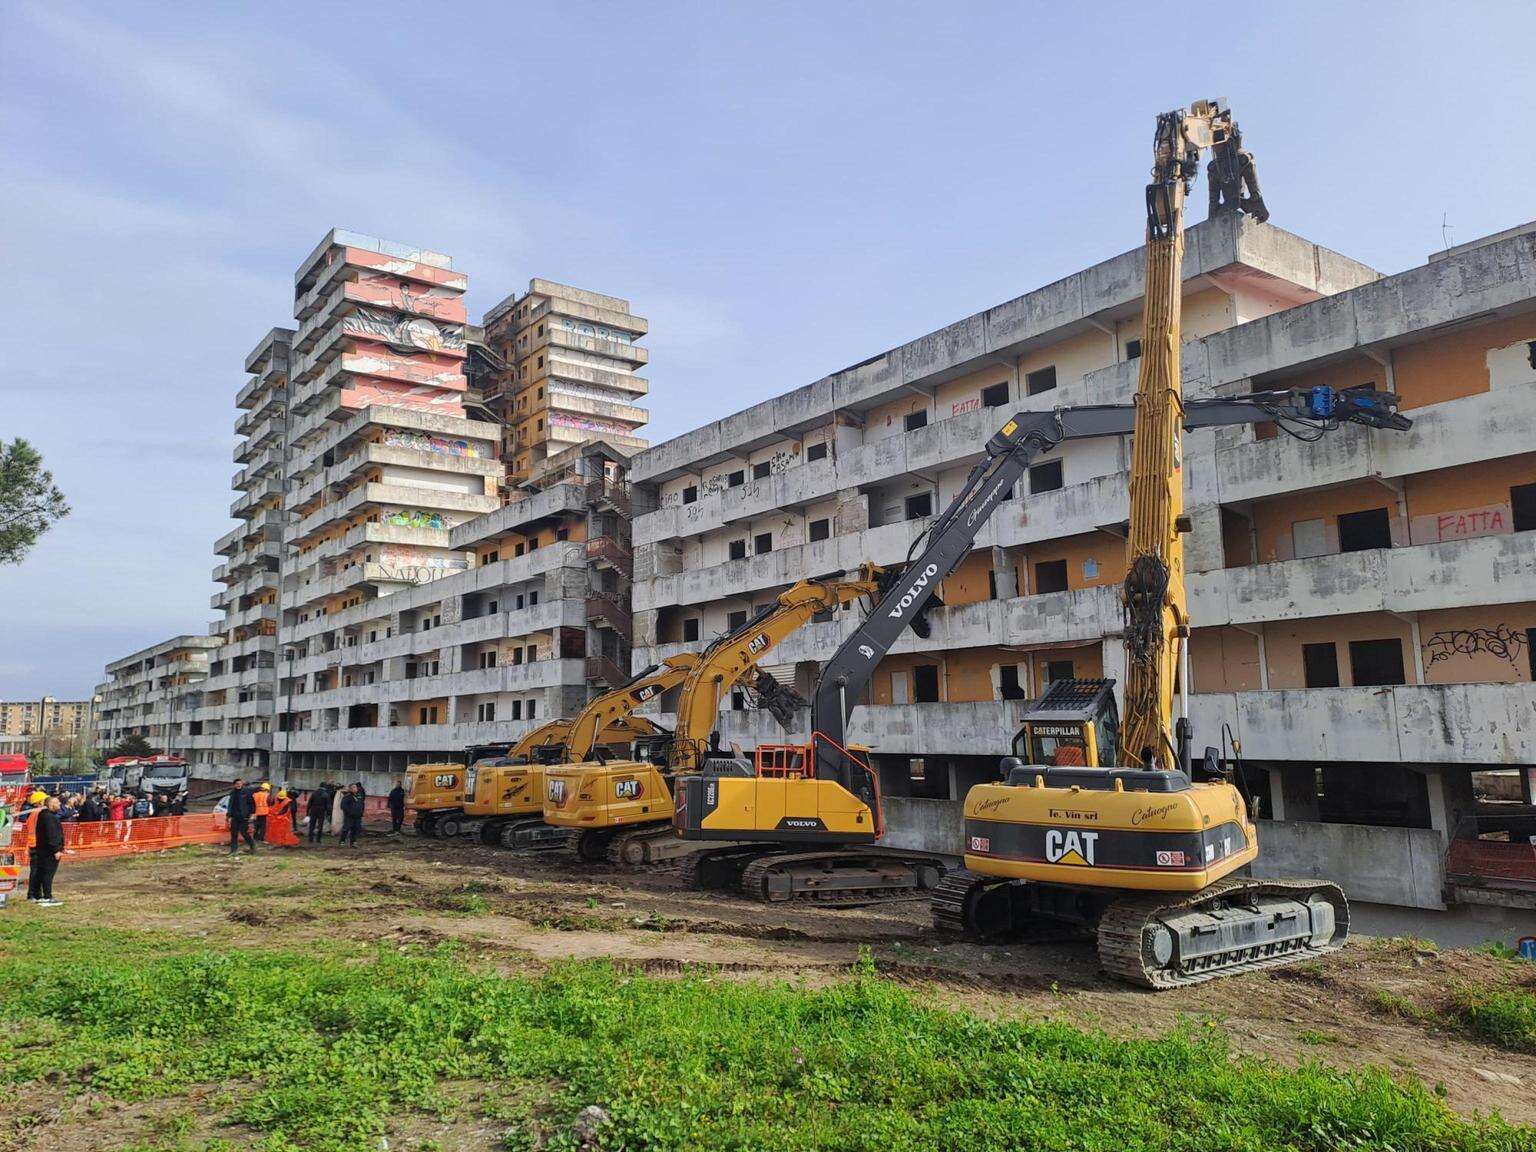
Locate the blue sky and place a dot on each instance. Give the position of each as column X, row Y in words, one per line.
column 781, row 189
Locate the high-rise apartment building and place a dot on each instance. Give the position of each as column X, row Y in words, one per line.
column 387, row 596
column 1364, row 607
column 568, row 362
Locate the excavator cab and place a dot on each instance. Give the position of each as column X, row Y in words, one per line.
column 1073, row 724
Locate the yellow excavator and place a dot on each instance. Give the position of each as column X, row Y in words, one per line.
column 1106, row 826
column 621, row 810
column 450, row 800
column 506, row 793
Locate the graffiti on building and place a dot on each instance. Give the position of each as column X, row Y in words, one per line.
column 405, row 332
column 592, row 424
column 959, row 407
column 1501, row 642
column 415, row 518
column 364, row 394
column 442, row 445
column 1461, row 524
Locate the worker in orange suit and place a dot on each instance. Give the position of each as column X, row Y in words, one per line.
column 262, row 798
column 280, row 821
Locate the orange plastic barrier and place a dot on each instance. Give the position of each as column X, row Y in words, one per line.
column 121, row 837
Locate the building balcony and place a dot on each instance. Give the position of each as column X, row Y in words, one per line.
column 519, row 515
column 607, row 612
column 557, row 369
column 613, row 349
column 607, row 552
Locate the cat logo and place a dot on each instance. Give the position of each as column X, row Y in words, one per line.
column 647, row 692
column 630, row 789
column 757, row 643
column 556, row 793
column 445, row 780
column 1070, row 846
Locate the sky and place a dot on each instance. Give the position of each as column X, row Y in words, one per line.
column 781, row 189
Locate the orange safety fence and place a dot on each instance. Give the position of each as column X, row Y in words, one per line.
column 1498, row 860
column 122, row 837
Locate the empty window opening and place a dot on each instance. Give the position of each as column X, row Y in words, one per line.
column 919, row 506
column 738, row 550
column 1057, row 670
column 1045, row 477
column 915, row 420
column 817, row 451
column 691, row 494
column 760, row 471
column 691, row 629
column 925, row 684
column 820, row 530
column 1133, row 349
column 1040, row 380
column 995, row 396
column 762, row 543
column 1359, row 531
column 1320, row 665
column 1522, row 503
column 1050, row 576
column 1376, row 662
column 1008, row 685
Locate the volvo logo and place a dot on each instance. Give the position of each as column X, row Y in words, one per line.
column 914, row 592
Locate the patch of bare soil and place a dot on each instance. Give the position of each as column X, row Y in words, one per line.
column 520, row 911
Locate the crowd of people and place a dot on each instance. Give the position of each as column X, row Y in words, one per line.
column 253, row 809
column 99, row 804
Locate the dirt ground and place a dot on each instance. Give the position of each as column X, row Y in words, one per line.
column 521, row 910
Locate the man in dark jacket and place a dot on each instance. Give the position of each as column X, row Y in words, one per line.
column 351, row 815
column 47, row 847
column 90, row 810
column 396, row 801
column 315, row 810
column 241, row 809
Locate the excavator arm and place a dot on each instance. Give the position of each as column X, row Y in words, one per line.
column 845, row 679
column 732, row 657
column 618, row 705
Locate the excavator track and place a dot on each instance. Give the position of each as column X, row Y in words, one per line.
column 953, row 903
column 838, row 879
column 592, row 844
column 1236, row 925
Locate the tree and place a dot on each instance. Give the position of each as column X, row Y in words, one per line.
column 132, row 745
column 30, row 502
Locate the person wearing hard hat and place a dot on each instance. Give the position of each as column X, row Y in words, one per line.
column 262, row 797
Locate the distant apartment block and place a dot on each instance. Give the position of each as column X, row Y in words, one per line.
column 25, row 724
column 157, row 693
column 1364, row 606
column 569, row 358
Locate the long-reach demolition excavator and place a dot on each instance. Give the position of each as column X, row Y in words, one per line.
column 1137, row 849
column 498, row 783
column 621, row 810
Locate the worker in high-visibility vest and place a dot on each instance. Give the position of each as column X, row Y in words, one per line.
column 261, row 797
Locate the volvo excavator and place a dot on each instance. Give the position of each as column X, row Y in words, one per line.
column 452, row 799
column 621, row 810
column 1107, row 826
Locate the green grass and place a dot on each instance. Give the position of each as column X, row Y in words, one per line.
column 1502, row 1016
column 320, row 1049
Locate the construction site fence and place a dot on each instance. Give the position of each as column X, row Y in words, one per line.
column 125, row 837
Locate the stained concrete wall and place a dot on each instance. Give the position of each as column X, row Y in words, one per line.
column 1399, row 866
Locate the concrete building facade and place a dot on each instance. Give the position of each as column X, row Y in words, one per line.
column 44, row 723
column 157, row 693
column 568, row 359
column 1364, row 605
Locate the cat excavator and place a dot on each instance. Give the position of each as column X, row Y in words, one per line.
column 506, row 793
column 1109, row 829
column 452, row 799
column 621, row 810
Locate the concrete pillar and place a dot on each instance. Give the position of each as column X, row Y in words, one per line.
column 1293, row 792
column 1114, row 668
column 1203, row 547
column 852, row 513
column 1004, row 575
column 1528, row 785
column 1451, row 803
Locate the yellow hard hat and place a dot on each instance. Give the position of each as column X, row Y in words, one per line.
column 38, row 798
column 265, row 787
column 282, row 793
